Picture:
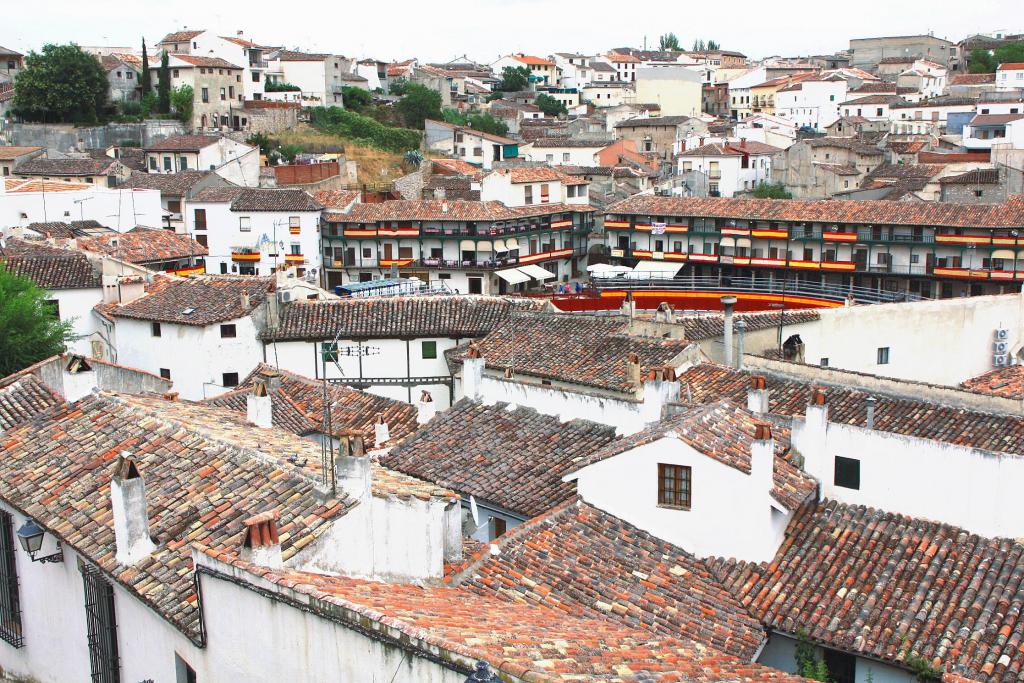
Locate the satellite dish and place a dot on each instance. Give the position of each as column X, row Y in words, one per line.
column 475, row 511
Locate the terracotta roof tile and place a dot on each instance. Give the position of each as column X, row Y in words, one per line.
column 275, row 200
column 208, row 62
column 1006, row 382
column 511, row 458
column 447, row 210
column 183, row 143
column 181, row 36
column 12, row 153
column 144, row 245
column 336, row 199
column 709, row 326
column 1008, row 214
column 65, row 167
column 586, row 350
column 23, row 399
column 202, row 300
column 176, row 184
column 47, row 266
column 888, row 586
column 457, row 317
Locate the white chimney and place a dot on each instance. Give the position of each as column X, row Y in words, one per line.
column 78, row 379
column 633, row 370
column 762, row 457
column 426, row 408
column 869, row 403
column 809, row 436
column 131, row 514
column 728, row 302
column 259, row 408
column 245, row 301
column 660, row 388
column 381, row 432
column 473, row 373
column 757, row 395
column 352, row 466
column 261, row 544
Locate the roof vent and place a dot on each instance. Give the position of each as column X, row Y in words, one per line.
column 261, row 543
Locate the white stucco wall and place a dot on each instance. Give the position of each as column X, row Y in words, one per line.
column 120, row 210
column 76, row 305
column 196, row 356
column 971, row 488
column 850, row 337
column 731, row 513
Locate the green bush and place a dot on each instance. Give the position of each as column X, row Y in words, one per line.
column 271, row 86
column 363, row 130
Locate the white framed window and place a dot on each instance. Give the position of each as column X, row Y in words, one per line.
column 244, row 223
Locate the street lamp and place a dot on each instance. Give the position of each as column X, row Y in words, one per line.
column 31, row 536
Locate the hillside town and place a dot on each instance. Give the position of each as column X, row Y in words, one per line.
column 655, row 363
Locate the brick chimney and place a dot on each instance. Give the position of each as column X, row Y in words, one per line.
column 352, row 466
column 757, row 395
column 261, row 544
column 633, row 370
column 426, row 408
column 259, row 408
column 762, row 456
column 130, row 511
column 381, row 432
column 472, row 373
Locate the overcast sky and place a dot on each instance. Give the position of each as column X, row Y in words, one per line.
column 439, row 30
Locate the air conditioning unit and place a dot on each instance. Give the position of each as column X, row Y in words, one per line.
column 1002, row 334
column 1001, row 346
column 284, row 296
column 1000, row 360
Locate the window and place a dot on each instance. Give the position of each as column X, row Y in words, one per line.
column 883, row 355
column 528, row 194
column 167, row 163
column 674, row 486
column 200, row 219
column 244, row 223
column 102, row 626
column 152, row 163
column 10, row 603
column 183, row 673
column 206, row 94
column 565, row 157
column 201, row 239
column 847, row 473
column 155, row 330
column 498, row 527
column 294, row 225
column 367, row 252
column 223, row 95
column 175, row 73
column 228, row 331
column 823, row 363
column 130, row 75
column 231, row 91
column 429, row 349
column 182, row 163
column 229, row 379
column 977, row 193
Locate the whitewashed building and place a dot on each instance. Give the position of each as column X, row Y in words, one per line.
column 731, row 167
column 234, row 161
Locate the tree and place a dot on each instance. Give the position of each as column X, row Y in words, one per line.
column 61, row 84
column 669, row 41
column 163, row 86
column 147, row 78
column 513, row 79
column 713, row 45
column 808, row 664
column 698, row 45
column 986, row 62
column 29, row 328
column 771, row 191
column 356, row 99
column 260, row 140
column 418, row 104
column 398, row 86
column 487, row 123
column 549, row 105
column 182, row 99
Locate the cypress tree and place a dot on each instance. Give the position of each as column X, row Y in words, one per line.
column 147, row 81
column 163, row 86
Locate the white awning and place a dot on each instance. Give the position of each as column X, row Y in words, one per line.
column 1003, row 253
column 512, row 243
column 537, row 273
column 655, row 269
column 513, row 276
column 467, row 245
column 727, row 242
column 483, row 246
column 743, row 242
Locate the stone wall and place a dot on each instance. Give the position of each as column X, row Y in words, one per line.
column 65, row 137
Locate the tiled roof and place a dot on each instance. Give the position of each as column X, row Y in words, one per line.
column 1000, row 433
column 979, row 176
column 511, row 458
column 527, row 641
column 12, row 153
column 202, row 300
column 298, row 406
column 972, row 79
column 64, row 167
column 723, row 431
column 1007, row 382
column 907, row 146
column 709, row 326
column 144, row 245
column 49, row 267
column 292, row 56
column 275, row 200
column 730, row 149
column 175, row 184
column 1014, row 66
column 587, row 350
column 650, row 121
column 55, row 229
column 873, row 99
column 241, row 42
column 533, row 61
column 23, row 399
column 447, row 210
column 583, row 561
column 838, row 169
column 851, row 143
column 457, row 316
column 181, row 36
column 889, row 586
column 571, row 142
column 454, row 166
column 208, row 62
column 336, row 199
column 906, row 171
column 218, row 194
column 204, row 474
column 183, row 143
column 981, row 120
column 1008, row 214
column 944, row 101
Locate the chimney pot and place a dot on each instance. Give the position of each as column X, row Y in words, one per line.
column 259, row 407
column 261, row 543
column 381, row 432
column 352, row 466
column 426, row 408
column 170, row 396
column 818, row 397
column 633, row 369
column 245, row 301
